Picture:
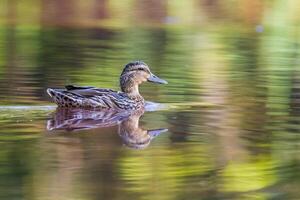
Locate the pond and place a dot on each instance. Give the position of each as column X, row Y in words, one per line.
column 225, row 127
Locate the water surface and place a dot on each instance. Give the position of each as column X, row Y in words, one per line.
column 231, row 108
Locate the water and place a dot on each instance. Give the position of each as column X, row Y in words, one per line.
column 225, row 127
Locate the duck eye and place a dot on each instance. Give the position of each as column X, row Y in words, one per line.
column 140, row 68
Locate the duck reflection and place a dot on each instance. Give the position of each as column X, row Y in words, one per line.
column 129, row 130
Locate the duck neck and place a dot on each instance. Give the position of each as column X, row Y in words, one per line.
column 131, row 88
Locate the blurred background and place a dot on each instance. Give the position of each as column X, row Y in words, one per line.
column 234, row 89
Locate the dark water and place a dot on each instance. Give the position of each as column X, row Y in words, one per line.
column 227, row 126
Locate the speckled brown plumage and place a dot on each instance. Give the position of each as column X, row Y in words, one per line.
column 128, row 98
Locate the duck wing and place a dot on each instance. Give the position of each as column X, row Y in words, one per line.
column 87, row 91
column 91, row 97
column 107, row 98
column 75, row 87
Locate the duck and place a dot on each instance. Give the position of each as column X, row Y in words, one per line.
column 89, row 97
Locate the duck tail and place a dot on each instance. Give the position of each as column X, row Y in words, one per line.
column 63, row 98
column 51, row 92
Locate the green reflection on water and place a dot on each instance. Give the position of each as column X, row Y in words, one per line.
column 233, row 98
column 249, row 176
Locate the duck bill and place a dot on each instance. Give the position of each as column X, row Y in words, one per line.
column 156, row 132
column 155, row 79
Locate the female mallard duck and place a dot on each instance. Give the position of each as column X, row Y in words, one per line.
column 128, row 98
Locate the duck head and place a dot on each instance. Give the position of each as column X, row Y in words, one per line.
column 135, row 73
